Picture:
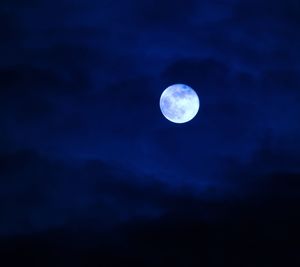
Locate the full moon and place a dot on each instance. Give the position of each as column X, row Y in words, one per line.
column 179, row 103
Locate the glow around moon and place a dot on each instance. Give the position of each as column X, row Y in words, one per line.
column 179, row 103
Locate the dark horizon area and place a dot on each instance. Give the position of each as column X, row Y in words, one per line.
column 93, row 175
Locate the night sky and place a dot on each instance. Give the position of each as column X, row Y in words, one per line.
column 92, row 174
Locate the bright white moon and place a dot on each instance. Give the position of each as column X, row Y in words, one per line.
column 179, row 103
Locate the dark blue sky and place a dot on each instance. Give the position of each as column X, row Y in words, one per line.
column 82, row 140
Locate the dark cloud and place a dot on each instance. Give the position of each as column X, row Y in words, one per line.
column 162, row 14
column 280, row 12
column 57, row 70
column 25, row 79
column 203, row 73
column 248, row 233
column 10, row 29
column 52, row 192
column 270, row 170
column 280, row 79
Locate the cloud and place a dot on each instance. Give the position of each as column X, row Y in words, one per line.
column 209, row 74
column 285, row 80
column 249, row 232
column 39, row 193
column 162, row 14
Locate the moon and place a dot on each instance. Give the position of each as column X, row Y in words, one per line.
column 179, row 103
